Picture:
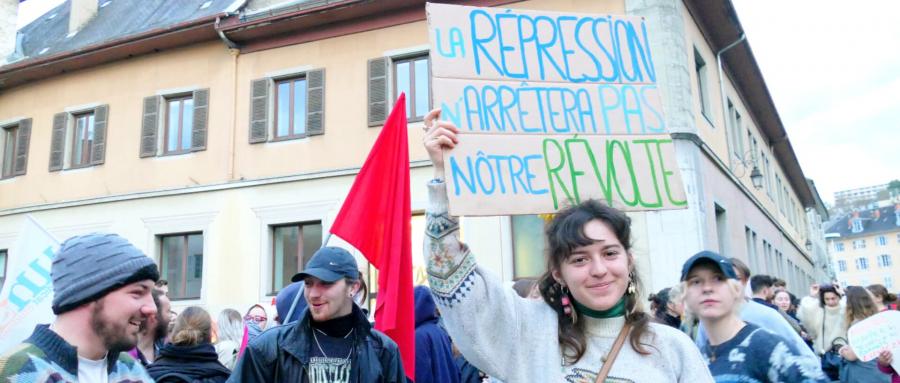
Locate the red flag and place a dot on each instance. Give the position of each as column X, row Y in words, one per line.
column 375, row 219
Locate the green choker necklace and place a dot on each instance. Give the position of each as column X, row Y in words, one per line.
column 615, row 311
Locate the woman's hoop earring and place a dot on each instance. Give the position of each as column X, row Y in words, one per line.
column 631, row 288
column 566, row 303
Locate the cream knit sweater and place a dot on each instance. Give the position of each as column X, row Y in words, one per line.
column 811, row 315
column 515, row 340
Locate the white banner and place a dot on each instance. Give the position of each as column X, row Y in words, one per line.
column 27, row 293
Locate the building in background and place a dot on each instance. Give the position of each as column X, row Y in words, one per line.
column 864, row 244
column 859, row 194
column 221, row 136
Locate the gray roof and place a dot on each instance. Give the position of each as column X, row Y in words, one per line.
column 115, row 19
column 874, row 221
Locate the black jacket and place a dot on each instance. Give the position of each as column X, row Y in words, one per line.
column 190, row 364
column 281, row 354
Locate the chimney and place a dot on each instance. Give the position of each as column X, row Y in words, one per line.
column 80, row 13
column 9, row 13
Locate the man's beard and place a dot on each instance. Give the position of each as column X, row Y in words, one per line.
column 113, row 335
column 162, row 328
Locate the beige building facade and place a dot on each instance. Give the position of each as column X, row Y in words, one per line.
column 224, row 143
column 865, row 246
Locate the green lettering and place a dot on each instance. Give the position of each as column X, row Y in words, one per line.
column 647, row 144
column 553, row 172
column 666, row 174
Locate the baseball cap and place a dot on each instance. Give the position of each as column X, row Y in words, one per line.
column 707, row 256
column 329, row 264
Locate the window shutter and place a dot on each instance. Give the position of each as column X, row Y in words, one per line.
column 378, row 90
column 315, row 102
column 259, row 110
column 201, row 118
column 150, row 126
column 58, row 141
column 22, row 139
column 98, row 152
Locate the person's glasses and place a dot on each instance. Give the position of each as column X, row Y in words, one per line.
column 256, row 318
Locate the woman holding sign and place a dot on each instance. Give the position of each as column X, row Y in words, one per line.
column 588, row 325
column 860, row 305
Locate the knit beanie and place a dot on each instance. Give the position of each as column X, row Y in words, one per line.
column 87, row 267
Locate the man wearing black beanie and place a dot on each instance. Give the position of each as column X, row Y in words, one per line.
column 101, row 287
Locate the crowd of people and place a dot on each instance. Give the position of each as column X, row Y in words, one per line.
column 583, row 320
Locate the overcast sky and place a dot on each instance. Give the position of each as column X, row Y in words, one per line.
column 833, row 69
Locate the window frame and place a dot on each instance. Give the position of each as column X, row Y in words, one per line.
column 881, row 240
column 700, row 71
column 4, row 266
column 842, row 265
column 181, row 98
column 11, row 133
column 839, row 247
column 411, row 97
column 862, row 263
column 184, row 256
column 272, row 291
column 85, row 162
column 884, row 260
column 512, row 236
column 291, row 135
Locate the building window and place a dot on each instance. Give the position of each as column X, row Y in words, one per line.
column 4, row 255
column 768, row 176
column 10, row 134
column 898, row 236
column 82, row 139
column 859, row 244
column 700, row 72
column 179, row 122
column 174, row 124
column 290, row 108
column 287, row 107
column 181, row 263
column 842, row 265
column 528, row 246
column 881, row 240
column 78, row 139
column 750, row 239
column 888, row 282
column 857, row 225
column 411, row 76
column 862, row 263
column 838, row 247
column 734, row 126
column 884, row 260
column 292, row 246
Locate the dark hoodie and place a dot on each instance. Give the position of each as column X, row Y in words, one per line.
column 188, row 364
column 434, row 355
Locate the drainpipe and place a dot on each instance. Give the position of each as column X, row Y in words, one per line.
column 230, row 44
column 722, row 83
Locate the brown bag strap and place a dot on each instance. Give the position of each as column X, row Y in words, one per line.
column 613, row 353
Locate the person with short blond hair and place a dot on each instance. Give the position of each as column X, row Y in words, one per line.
column 737, row 350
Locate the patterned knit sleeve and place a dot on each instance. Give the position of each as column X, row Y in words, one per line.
column 481, row 316
column 785, row 362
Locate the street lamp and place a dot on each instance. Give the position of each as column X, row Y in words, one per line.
column 757, row 178
column 746, row 161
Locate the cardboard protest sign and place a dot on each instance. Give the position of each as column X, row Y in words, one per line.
column 876, row 333
column 553, row 108
column 27, row 294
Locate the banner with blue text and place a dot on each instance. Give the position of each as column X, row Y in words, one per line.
column 553, row 108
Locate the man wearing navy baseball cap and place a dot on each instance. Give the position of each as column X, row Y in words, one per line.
column 332, row 342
